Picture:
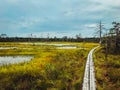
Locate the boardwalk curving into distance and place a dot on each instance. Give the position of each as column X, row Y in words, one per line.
column 89, row 75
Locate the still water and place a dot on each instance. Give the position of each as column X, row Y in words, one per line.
column 6, row 60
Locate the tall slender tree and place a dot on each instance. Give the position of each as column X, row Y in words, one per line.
column 116, row 28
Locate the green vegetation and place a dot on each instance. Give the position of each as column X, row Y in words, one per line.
column 51, row 68
column 107, row 70
column 107, row 60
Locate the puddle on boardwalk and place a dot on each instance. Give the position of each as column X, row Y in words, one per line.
column 6, row 60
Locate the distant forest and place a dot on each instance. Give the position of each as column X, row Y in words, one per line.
column 55, row 39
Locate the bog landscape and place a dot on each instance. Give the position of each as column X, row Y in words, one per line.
column 59, row 44
column 56, row 65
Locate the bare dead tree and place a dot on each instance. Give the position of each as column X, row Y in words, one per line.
column 99, row 31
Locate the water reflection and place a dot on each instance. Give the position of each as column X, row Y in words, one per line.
column 67, row 47
column 3, row 48
column 6, row 60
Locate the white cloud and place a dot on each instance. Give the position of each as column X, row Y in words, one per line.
column 27, row 22
column 94, row 8
column 90, row 25
column 108, row 2
column 69, row 13
column 30, row 22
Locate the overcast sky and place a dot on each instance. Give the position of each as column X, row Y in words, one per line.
column 56, row 17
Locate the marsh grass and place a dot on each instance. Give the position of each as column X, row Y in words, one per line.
column 107, row 71
column 51, row 68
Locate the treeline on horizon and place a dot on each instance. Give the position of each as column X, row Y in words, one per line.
column 55, row 39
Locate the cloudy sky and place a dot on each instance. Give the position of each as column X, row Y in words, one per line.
column 56, row 17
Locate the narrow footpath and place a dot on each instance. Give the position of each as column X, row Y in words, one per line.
column 89, row 82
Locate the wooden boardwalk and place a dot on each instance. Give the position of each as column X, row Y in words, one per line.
column 89, row 82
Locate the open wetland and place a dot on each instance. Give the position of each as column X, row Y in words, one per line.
column 55, row 66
